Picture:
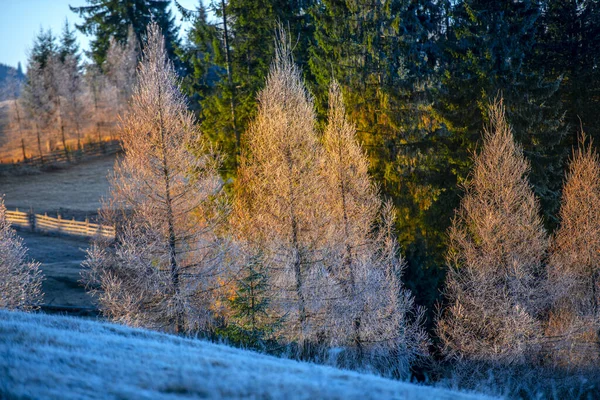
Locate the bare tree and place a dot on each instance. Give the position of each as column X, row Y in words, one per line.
column 165, row 193
column 574, row 264
column 497, row 244
column 71, row 88
column 11, row 91
column 371, row 312
column 97, row 97
column 120, row 69
column 20, row 279
column 53, row 77
column 36, row 103
column 279, row 198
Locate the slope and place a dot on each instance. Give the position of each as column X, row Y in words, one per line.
column 52, row 357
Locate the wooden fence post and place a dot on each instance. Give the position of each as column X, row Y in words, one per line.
column 32, row 219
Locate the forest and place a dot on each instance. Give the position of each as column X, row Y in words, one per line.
column 406, row 187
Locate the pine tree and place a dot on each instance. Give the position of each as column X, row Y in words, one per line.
column 44, row 47
column 568, row 49
column 106, row 19
column 385, row 58
column 20, row 279
column 250, row 323
column 490, row 51
column 497, row 245
column 573, row 265
column 165, row 193
column 68, row 45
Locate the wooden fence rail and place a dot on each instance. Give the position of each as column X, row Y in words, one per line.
column 59, row 157
column 44, row 223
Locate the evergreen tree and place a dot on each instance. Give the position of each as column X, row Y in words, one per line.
column 233, row 57
column 250, row 323
column 44, row 47
column 106, row 19
column 384, row 56
column 569, row 49
column 68, row 46
column 490, row 51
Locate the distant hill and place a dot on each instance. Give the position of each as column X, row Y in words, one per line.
column 6, row 72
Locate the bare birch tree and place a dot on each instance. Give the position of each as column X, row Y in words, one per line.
column 71, row 88
column 11, row 91
column 20, row 279
column 120, row 68
column 36, row 103
column 165, row 191
column 497, row 244
column 371, row 312
column 53, row 74
column 279, row 198
column 574, row 265
column 97, row 98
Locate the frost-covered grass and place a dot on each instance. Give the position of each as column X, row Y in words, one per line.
column 53, row 357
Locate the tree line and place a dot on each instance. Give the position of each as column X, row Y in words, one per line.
column 302, row 257
column 64, row 102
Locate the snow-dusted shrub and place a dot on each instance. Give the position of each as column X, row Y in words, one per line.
column 20, row 279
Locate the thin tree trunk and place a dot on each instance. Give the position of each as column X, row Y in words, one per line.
column 62, row 131
column 20, row 129
column 348, row 259
column 297, row 256
column 172, row 240
column 230, row 82
column 39, row 141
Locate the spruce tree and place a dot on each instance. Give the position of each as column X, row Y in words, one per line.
column 68, row 46
column 490, row 51
column 106, row 19
column 384, row 57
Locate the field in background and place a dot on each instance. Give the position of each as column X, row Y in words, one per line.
column 73, row 192
column 54, row 357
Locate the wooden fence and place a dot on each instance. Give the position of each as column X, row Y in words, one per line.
column 60, row 157
column 44, row 223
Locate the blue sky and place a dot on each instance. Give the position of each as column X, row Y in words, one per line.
column 20, row 21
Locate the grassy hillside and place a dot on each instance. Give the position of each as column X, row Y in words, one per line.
column 50, row 357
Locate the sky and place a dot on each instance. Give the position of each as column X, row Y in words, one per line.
column 21, row 20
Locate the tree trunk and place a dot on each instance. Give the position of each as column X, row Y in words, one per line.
column 230, row 82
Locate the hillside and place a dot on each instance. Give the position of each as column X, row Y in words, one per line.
column 50, row 357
